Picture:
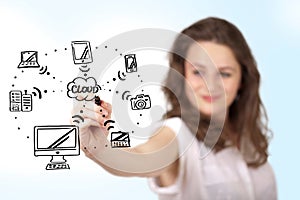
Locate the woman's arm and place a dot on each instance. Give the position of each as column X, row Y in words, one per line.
column 156, row 144
column 155, row 158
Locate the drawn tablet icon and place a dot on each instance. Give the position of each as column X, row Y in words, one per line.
column 81, row 51
column 29, row 59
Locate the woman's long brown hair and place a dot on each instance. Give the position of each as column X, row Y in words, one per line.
column 246, row 115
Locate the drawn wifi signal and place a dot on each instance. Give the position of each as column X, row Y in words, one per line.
column 75, row 117
column 120, row 77
column 43, row 70
column 127, row 97
column 38, row 91
column 83, row 68
column 109, row 121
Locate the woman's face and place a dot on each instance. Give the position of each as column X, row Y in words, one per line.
column 214, row 82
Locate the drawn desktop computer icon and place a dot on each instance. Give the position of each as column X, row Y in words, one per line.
column 57, row 142
column 81, row 51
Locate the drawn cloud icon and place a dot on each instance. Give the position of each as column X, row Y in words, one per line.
column 83, row 88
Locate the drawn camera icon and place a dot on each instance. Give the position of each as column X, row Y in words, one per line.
column 140, row 102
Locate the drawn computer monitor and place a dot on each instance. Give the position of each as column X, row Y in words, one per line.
column 57, row 142
column 81, row 51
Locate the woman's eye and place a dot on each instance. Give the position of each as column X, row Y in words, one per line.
column 197, row 72
column 225, row 74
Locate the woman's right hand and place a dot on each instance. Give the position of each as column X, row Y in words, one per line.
column 93, row 133
column 93, row 141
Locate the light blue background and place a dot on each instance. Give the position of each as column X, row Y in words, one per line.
column 272, row 29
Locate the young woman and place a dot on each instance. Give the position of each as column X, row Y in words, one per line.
column 237, row 166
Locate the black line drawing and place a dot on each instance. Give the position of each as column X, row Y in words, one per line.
column 109, row 121
column 140, row 102
column 127, row 97
column 15, row 99
column 26, row 102
column 39, row 92
column 120, row 139
column 20, row 102
column 81, row 51
column 75, row 117
column 82, row 68
column 29, row 59
column 43, row 69
column 123, row 74
column 130, row 63
column 85, row 87
column 56, row 141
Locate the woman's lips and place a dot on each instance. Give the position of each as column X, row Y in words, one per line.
column 210, row 98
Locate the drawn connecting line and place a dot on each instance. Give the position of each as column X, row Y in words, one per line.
column 56, row 141
column 140, row 102
column 81, row 51
column 29, row 59
column 20, row 102
column 120, row 139
column 130, row 63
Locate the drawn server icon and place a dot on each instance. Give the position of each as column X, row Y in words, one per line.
column 15, row 98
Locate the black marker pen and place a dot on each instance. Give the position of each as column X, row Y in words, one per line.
column 97, row 100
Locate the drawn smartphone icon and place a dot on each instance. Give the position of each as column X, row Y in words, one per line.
column 81, row 51
column 26, row 102
column 15, row 99
column 130, row 63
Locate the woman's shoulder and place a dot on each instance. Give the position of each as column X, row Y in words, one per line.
column 174, row 123
column 167, row 128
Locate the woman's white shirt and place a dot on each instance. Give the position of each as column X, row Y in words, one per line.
column 222, row 175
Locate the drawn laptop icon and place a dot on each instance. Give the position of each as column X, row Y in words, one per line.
column 29, row 59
